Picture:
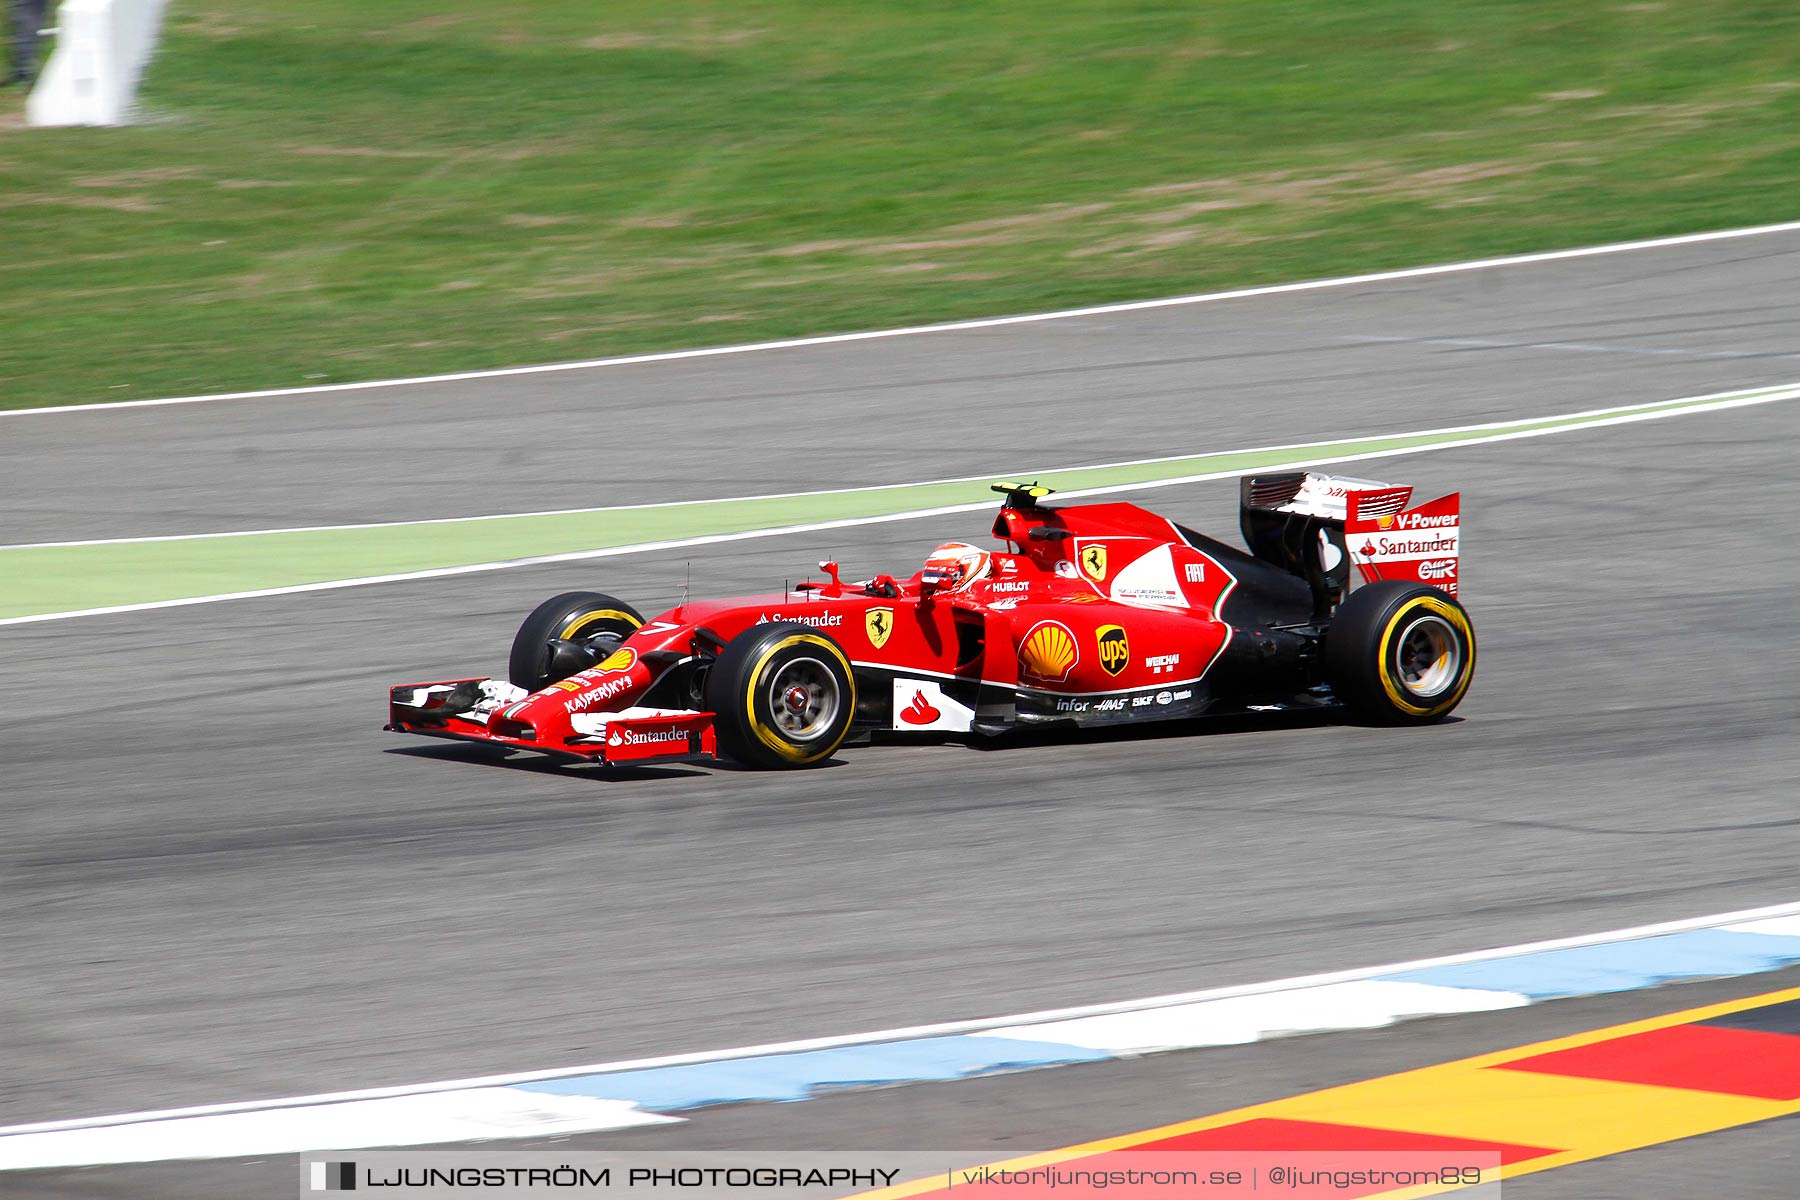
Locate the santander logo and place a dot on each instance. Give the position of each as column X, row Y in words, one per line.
column 919, row 712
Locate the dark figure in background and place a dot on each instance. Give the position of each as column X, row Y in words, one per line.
column 24, row 19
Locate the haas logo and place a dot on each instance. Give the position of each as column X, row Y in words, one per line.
column 919, row 712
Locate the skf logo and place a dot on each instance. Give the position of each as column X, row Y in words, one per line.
column 1115, row 650
column 1093, row 561
column 1048, row 652
column 333, row 1176
column 620, row 660
column 878, row 623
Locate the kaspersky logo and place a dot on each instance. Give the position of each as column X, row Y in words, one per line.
column 333, row 1177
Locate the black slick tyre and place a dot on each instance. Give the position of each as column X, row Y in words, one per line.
column 1400, row 653
column 782, row 695
column 570, row 617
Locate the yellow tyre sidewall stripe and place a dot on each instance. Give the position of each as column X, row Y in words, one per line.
column 1459, row 620
column 767, row 735
column 570, row 628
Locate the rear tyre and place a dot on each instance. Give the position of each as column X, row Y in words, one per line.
column 1400, row 653
column 570, row 617
column 782, row 695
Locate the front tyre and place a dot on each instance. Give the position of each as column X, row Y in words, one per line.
column 1400, row 653
column 573, row 617
column 782, row 694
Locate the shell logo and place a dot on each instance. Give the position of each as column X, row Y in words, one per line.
column 1048, row 651
column 620, row 660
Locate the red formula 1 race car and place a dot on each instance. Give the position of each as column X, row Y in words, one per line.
column 1094, row 614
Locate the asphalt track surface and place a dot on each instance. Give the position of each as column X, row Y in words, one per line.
column 226, row 882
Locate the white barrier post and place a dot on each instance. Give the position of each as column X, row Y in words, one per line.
column 92, row 74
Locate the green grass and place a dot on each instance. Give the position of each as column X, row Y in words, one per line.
column 339, row 190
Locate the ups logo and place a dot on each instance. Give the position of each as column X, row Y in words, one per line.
column 1115, row 650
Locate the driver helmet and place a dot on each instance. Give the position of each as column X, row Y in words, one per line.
column 954, row 566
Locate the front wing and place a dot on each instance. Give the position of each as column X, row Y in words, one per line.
column 471, row 710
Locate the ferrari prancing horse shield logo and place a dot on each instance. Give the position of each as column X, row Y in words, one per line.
column 878, row 623
column 1093, row 561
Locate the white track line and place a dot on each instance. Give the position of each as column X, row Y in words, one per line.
column 1482, row 264
column 1586, row 415
column 1465, row 343
column 1741, row 400
column 1634, row 933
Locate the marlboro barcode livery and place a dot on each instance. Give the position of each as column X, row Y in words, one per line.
column 1095, row 614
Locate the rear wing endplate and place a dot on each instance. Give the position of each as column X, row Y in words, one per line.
column 1388, row 540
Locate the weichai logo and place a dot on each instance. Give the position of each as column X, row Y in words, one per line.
column 1115, row 649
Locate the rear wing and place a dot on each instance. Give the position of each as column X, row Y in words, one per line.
column 1317, row 526
column 1388, row 540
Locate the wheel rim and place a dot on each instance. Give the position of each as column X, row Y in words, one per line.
column 1428, row 657
column 803, row 699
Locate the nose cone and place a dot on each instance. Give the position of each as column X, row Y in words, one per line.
column 613, row 685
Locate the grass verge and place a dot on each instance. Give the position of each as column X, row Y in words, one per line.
column 345, row 190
